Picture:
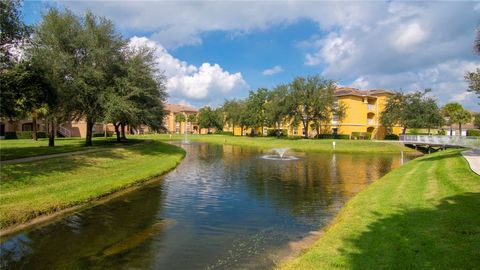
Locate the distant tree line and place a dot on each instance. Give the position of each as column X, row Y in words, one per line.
column 308, row 101
column 70, row 68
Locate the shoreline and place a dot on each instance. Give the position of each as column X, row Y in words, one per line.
column 52, row 216
column 299, row 250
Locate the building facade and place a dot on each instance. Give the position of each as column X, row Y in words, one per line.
column 363, row 110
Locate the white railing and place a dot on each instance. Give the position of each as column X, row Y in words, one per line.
column 468, row 141
column 370, row 121
column 64, row 131
column 370, row 107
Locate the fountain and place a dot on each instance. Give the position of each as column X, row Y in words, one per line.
column 185, row 137
column 279, row 155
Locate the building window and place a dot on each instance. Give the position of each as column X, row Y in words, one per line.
column 265, row 131
column 334, row 131
column 295, row 130
column 303, row 131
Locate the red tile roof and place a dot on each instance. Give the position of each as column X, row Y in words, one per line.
column 175, row 108
column 350, row 91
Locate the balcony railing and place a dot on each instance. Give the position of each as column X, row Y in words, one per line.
column 370, row 107
column 370, row 122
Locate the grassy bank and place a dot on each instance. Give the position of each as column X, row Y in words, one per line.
column 342, row 146
column 31, row 189
column 13, row 149
column 424, row 215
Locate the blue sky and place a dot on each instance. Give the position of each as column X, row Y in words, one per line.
column 211, row 51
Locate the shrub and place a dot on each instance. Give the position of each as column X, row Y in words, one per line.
column 10, row 135
column 41, row 134
column 102, row 134
column 227, row 133
column 24, row 135
column 333, row 136
column 473, row 132
column 391, row 137
column 361, row 136
column 272, row 132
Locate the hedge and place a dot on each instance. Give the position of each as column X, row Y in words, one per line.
column 361, row 135
column 102, row 134
column 333, row 136
column 228, row 133
column 473, row 132
column 392, row 137
column 24, row 135
column 273, row 132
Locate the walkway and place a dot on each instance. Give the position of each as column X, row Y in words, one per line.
column 66, row 154
column 473, row 158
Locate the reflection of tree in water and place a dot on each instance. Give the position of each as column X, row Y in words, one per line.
column 86, row 234
column 314, row 185
column 421, row 238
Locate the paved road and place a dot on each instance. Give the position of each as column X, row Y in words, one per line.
column 473, row 158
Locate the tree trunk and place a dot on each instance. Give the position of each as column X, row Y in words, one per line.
column 88, row 139
column 51, row 135
column 451, row 131
column 122, row 125
column 34, row 128
column 460, row 129
column 404, row 130
column 117, row 131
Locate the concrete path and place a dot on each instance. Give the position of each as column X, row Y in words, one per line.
column 473, row 158
column 66, row 154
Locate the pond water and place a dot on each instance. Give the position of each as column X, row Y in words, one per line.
column 223, row 207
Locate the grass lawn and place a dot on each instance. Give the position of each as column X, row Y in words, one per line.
column 35, row 188
column 13, row 149
column 423, row 215
column 342, row 146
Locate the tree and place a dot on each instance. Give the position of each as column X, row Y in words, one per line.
column 477, row 41
column 276, row 109
column 180, row 118
column 323, row 104
column 473, row 79
column 300, row 102
column 192, row 118
column 234, row 113
column 413, row 110
column 476, row 120
column 26, row 92
column 255, row 108
column 81, row 54
column 209, row 118
column 456, row 114
column 13, row 31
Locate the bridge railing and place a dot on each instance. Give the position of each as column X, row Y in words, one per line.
column 467, row 141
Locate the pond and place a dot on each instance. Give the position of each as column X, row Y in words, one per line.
column 223, row 207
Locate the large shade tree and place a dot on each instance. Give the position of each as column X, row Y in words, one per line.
column 80, row 53
column 210, row 118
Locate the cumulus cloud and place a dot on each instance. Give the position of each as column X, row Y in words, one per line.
column 207, row 84
column 272, row 71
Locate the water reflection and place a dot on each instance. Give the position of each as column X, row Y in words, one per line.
column 223, row 207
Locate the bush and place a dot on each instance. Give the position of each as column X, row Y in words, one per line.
column 41, row 134
column 391, row 137
column 333, row 136
column 24, row 135
column 226, row 133
column 361, row 136
column 272, row 132
column 102, row 134
column 473, row 132
column 10, row 135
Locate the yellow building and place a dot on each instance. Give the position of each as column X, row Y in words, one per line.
column 173, row 126
column 364, row 108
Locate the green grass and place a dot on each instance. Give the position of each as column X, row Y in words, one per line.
column 342, row 146
column 424, row 215
column 13, row 149
column 35, row 188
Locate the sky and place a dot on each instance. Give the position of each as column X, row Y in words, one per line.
column 217, row 50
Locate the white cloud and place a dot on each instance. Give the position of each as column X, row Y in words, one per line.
column 272, row 71
column 407, row 37
column 445, row 80
column 207, row 84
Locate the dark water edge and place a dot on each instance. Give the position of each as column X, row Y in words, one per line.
column 223, row 207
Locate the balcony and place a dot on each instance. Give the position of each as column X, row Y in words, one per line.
column 370, row 122
column 371, row 107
